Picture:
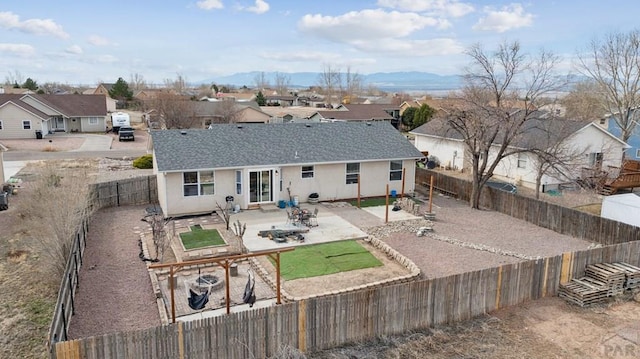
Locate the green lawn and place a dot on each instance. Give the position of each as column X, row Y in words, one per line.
column 372, row 202
column 198, row 238
column 326, row 258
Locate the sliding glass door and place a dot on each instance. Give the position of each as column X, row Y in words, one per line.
column 260, row 186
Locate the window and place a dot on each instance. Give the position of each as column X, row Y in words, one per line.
column 522, row 160
column 595, row 159
column 0, row 125
column 395, row 170
column 93, row 120
column 238, row 182
column 603, row 121
column 353, row 170
column 307, row 171
column 26, row 125
column 198, row 183
column 637, row 151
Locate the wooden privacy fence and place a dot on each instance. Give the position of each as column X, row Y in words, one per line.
column 127, row 192
column 560, row 219
column 64, row 305
column 325, row 322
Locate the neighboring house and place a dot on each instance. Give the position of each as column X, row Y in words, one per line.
column 359, row 113
column 407, row 104
column 102, row 89
column 22, row 115
column 282, row 100
column 212, row 112
column 2, row 179
column 633, row 153
column 265, row 163
column 288, row 114
column 594, row 147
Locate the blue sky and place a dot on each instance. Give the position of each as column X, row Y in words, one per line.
column 86, row 42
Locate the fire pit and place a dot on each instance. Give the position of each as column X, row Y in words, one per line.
column 204, row 281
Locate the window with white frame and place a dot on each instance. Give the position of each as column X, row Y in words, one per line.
column 198, row 183
column 353, row 171
column 238, row 182
column 395, row 170
column 26, row 125
column 522, row 160
column 307, row 171
column 93, row 120
column 595, row 159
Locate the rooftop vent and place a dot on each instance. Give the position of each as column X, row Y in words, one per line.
column 183, row 132
column 308, row 125
column 239, row 126
column 368, row 123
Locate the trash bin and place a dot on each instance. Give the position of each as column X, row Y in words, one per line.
column 4, row 201
column 39, row 134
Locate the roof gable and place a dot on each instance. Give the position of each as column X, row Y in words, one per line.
column 233, row 146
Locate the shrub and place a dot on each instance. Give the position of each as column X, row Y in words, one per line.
column 144, row 162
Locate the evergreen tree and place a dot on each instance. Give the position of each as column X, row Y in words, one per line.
column 30, row 84
column 260, row 99
column 423, row 115
column 120, row 91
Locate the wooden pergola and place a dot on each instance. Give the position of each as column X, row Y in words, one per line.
column 225, row 262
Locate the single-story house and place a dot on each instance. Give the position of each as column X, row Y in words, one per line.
column 22, row 115
column 359, row 112
column 208, row 112
column 267, row 163
column 622, row 208
column 594, row 147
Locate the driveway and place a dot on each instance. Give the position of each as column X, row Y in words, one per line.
column 63, row 146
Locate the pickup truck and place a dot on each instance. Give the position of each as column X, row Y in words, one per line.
column 126, row 134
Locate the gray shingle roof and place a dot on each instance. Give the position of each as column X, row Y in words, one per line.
column 233, row 146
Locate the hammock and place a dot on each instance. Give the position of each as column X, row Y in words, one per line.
column 198, row 301
column 249, row 296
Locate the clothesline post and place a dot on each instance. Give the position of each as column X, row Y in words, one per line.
column 226, row 278
column 278, row 278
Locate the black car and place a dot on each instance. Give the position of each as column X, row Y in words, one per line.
column 126, row 134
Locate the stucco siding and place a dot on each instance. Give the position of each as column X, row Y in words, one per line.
column 178, row 204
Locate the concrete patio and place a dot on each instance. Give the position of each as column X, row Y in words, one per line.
column 331, row 225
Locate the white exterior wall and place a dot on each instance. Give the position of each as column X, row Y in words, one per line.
column 329, row 182
column 12, row 117
column 622, row 208
column 449, row 152
column 588, row 140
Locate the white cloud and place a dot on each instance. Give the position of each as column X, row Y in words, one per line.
column 448, row 8
column 74, row 49
column 17, row 49
column 260, row 7
column 97, row 40
column 370, row 25
column 10, row 20
column 509, row 17
column 400, row 47
column 210, row 4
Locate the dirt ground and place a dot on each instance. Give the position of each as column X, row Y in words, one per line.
column 544, row 328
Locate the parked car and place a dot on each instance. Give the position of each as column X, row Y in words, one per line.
column 126, row 134
column 503, row 186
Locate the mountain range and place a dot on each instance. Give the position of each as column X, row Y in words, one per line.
column 386, row 81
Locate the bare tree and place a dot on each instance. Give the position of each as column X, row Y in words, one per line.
column 614, row 64
column 351, row 86
column 555, row 155
column 584, row 102
column 283, row 81
column 225, row 212
column 329, row 80
column 54, row 210
column 161, row 239
column 261, row 82
column 227, row 111
column 137, row 82
column 239, row 229
column 13, row 78
column 499, row 93
column 179, row 85
column 174, row 111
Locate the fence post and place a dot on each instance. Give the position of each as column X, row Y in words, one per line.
column 117, row 194
column 80, row 249
column 71, row 294
column 64, row 323
column 75, row 260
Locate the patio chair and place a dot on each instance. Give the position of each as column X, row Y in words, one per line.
column 292, row 218
column 313, row 218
